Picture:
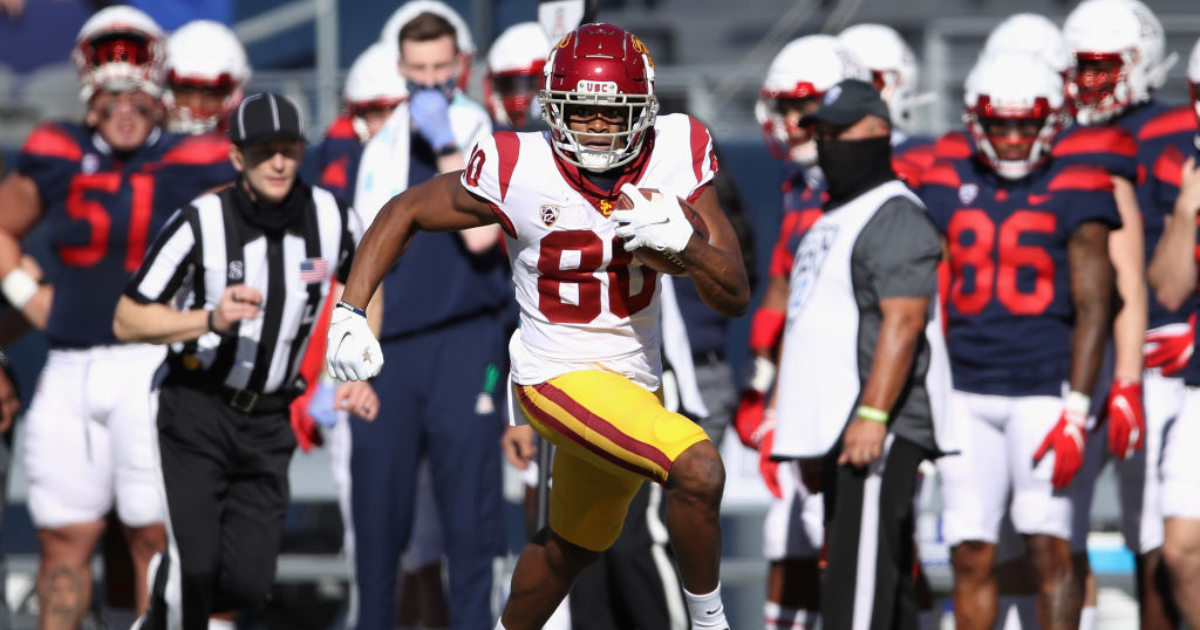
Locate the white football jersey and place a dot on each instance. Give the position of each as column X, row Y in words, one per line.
column 585, row 302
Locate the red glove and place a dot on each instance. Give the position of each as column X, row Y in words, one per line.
column 767, row 467
column 1126, row 418
column 1067, row 438
column 753, row 402
column 1170, row 347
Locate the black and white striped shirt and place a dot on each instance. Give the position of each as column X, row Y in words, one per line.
column 210, row 245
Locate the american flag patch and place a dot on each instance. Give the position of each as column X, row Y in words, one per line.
column 313, row 270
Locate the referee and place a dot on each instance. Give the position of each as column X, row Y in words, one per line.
column 234, row 283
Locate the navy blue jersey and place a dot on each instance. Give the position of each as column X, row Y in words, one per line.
column 911, row 158
column 338, row 158
column 804, row 192
column 1163, row 181
column 1010, row 314
column 103, row 210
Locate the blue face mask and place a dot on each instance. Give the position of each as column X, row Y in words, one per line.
column 447, row 87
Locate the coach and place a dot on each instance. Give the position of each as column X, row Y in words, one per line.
column 863, row 371
column 234, row 283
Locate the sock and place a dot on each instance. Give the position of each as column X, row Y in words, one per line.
column 780, row 618
column 220, row 624
column 706, row 610
column 1087, row 618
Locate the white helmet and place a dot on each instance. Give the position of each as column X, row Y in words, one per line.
column 119, row 48
column 204, row 54
column 1125, row 38
column 805, row 68
column 891, row 62
column 373, row 81
column 515, row 65
column 1035, row 34
column 1193, row 77
column 411, row 9
column 1008, row 89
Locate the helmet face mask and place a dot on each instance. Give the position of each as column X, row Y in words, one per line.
column 1100, row 85
column 1014, row 112
column 373, row 89
column 119, row 48
column 605, row 71
column 892, row 64
column 207, row 72
column 511, row 95
column 782, row 130
column 516, row 67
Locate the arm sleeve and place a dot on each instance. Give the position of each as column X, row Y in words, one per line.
column 899, row 248
column 167, row 264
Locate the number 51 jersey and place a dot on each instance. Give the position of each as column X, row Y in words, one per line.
column 586, row 303
column 1010, row 312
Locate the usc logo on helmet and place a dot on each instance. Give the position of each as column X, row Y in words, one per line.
column 640, row 48
column 565, row 41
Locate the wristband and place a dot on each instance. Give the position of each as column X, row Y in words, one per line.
column 766, row 328
column 763, row 375
column 211, row 326
column 1078, row 404
column 873, row 414
column 352, row 308
column 18, row 288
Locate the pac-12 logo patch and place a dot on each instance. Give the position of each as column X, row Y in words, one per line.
column 968, row 192
column 549, row 213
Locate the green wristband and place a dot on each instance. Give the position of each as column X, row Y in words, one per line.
column 871, row 413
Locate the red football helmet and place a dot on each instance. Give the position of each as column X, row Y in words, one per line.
column 599, row 65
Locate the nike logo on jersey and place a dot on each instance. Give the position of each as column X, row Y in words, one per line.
column 1038, row 200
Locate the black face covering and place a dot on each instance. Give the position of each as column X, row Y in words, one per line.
column 271, row 218
column 852, row 167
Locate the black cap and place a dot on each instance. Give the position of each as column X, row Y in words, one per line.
column 847, row 103
column 265, row 117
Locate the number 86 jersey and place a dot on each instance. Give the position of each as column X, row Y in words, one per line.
column 1010, row 313
column 585, row 302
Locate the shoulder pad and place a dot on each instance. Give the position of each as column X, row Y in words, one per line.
column 1100, row 139
column 942, row 173
column 210, row 148
column 52, row 141
column 952, row 145
column 1175, row 120
column 1169, row 166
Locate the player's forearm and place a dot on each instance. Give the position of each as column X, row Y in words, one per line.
column 157, row 323
column 1172, row 271
column 719, row 276
column 1091, row 290
column 1126, row 248
column 902, row 325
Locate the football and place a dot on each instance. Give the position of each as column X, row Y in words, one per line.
column 663, row 262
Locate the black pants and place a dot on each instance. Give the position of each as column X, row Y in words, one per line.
column 227, row 492
column 869, row 527
column 633, row 585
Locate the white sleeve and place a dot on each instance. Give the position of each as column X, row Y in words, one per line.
column 482, row 175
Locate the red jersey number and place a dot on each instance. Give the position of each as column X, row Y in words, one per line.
column 995, row 258
column 553, row 280
column 82, row 207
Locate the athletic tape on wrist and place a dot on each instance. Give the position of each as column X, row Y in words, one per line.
column 18, row 288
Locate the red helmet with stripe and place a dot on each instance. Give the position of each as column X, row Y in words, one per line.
column 599, row 65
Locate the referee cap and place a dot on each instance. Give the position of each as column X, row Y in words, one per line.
column 265, row 117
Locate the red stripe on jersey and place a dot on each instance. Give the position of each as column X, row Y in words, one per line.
column 553, row 424
column 700, row 138
column 942, row 174
column 907, row 170
column 50, row 140
column 696, row 193
column 334, row 175
column 210, row 148
column 923, row 155
column 603, row 427
column 1169, row 166
column 505, row 222
column 1082, row 177
column 952, row 145
column 508, row 147
column 342, row 128
column 1096, row 140
column 1175, row 120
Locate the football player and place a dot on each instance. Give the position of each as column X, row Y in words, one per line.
column 1119, row 52
column 793, row 532
column 586, row 362
column 207, row 72
column 1175, row 183
column 514, row 72
column 373, row 90
column 103, row 189
column 1028, row 312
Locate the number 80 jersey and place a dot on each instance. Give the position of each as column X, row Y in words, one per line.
column 1010, row 313
column 585, row 302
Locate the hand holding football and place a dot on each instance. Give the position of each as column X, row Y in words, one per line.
column 663, row 261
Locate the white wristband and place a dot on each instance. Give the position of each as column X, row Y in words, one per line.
column 1078, row 405
column 762, row 376
column 18, row 288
